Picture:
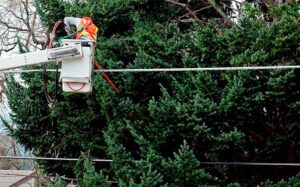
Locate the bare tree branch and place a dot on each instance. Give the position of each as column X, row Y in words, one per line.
column 12, row 12
column 8, row 49
column 186, row 8
column 220, row 11
column 22, row 24
column 229, row 7
column 35, row 40
column 196, row 11
column 12, row 27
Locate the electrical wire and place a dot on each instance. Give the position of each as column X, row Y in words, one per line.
column 45, row 80
column 252, row 163
column 203, row 163
column 5, row 175
column 14, row 175
column 141, row 70
column 51, row 159
column 28, row 71
column 45, row 75
column 203, row 69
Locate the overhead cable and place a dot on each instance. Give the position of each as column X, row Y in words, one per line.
column 50, row 159
column 203, row 163
column 251, row 163
column 138, row 70
column 203, row 69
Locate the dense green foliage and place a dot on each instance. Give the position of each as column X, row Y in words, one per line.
column 163, row 124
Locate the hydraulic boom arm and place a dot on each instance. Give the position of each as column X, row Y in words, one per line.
column 40, row 57
column 76, row 57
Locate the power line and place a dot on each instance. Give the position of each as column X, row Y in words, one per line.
column 27, row 71
column 251, row 163
column 5, row 175
column 50, row 158
column 14, row 175
column 140, row 70
column 203, row 163
column 203, row 69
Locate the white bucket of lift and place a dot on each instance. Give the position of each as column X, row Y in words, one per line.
column 76, row 73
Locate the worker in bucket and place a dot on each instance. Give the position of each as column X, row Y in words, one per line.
column 86, row 29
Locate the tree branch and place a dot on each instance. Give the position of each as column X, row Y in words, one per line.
column 186, row 8
column 220, row 11
column 12, row 12
column 9, row 49
column 12, row 27
column 34, row 39
column 21, row 24
column 196, row 11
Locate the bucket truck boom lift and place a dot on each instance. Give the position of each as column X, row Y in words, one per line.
column 76, row 57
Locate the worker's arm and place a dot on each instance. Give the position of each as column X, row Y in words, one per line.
column 68, row 21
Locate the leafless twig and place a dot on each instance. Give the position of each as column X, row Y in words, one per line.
column 20, row 25
column 220, row 11
column 196, row 11
column 186, row 8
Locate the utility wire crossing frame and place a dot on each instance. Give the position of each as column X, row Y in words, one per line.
column 141, row 70
column 243, row 68
column 110, row 160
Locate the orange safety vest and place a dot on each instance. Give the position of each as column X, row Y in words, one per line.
column 90, row 30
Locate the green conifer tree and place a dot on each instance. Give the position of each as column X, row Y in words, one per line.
column 223, row 116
